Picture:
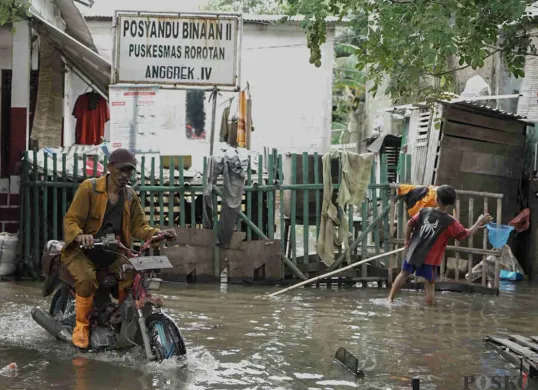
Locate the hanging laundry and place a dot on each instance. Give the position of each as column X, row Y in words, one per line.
column 417, row 197
column 228, row 127
column 232, row 165
column 249, row 124
column 225, row 125
column 91, row 111
column 334, row 230
column 241, row 122
column 522, row 221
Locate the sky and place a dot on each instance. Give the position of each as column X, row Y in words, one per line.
column 107, row 7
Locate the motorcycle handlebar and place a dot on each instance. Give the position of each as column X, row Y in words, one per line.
column 103, row 242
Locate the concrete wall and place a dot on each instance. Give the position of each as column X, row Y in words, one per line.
column 49, row 11
column 494, row 72
column 291, row 98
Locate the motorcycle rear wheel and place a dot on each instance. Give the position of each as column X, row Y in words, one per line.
column 62, row 301
column 59, row 301
column 165, row 338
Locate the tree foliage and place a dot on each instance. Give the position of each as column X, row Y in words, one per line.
column 12, row 11
column 267, row 7
column 412, row 41
column 349, row 88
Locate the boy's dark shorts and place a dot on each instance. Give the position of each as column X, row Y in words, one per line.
column 425, row 270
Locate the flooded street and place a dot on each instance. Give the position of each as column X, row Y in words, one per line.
column 237, row 339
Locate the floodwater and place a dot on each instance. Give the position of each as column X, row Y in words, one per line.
column 239, row 339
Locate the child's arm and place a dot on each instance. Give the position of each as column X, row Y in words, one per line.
column 460, row 233
column 410, row 227
column 480, row 222
column 408, row 231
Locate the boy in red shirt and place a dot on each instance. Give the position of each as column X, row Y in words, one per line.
column 431, row 230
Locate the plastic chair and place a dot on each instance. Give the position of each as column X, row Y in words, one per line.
column 498, row 234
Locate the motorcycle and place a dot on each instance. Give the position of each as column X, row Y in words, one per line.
column 137, row 322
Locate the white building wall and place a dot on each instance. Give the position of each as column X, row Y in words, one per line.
column 292, row 99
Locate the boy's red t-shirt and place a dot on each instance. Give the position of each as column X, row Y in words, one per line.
column 432, row 231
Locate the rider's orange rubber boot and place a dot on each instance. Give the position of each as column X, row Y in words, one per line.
column 81, row 333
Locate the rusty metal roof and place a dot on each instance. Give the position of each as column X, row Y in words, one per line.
column 253, row 19
column 478, row 106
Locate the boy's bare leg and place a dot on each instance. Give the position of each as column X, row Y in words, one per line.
column 398, row 284
column 429, row 288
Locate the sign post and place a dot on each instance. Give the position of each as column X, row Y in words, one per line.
column 172, row 52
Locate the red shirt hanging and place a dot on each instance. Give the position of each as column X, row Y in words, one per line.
column 91, row 111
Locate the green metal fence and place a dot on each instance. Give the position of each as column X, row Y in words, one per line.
column 171, row 199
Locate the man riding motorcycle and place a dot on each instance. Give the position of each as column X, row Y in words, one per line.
column 101, row 207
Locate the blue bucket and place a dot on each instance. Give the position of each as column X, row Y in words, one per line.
column 498, row 234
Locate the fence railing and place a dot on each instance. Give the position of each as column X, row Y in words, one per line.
column 275, row 206
column 282, row 201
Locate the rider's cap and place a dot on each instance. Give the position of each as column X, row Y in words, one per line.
column 121, row 158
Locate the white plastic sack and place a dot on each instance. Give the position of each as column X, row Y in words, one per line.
column 507, row 261
column 476, row 87
column 9, row 246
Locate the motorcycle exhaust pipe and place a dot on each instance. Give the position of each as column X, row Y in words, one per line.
column 47, row 322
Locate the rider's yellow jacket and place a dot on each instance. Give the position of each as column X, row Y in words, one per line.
column 86, row 213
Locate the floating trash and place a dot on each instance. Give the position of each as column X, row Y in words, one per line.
column 10, row 370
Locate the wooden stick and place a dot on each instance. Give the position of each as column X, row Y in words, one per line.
column 470, row 242
column 485, row 246
column 457, row 216
column 309, row 281
column 497, row 258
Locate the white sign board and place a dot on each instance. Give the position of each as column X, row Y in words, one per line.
column 146, row 119
column 177, row 50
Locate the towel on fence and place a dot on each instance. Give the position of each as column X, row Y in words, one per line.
column 417, row 197
column 334, row 229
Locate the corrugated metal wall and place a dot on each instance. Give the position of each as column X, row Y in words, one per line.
column 47, row 126
column 420, row 143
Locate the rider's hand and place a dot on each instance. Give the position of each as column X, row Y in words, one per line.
column 85, row 240
column 169, row 234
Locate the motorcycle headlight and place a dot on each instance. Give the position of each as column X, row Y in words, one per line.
column 154, row 283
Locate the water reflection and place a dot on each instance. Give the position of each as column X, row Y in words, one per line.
column 238, row 341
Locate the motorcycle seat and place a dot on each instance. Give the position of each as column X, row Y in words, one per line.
column 105, row 279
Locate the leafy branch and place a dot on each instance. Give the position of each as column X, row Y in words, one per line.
column 12, row 11
column 412, row 42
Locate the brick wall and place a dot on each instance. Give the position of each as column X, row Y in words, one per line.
column 9, row 205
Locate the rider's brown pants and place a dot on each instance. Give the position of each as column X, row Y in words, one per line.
column 83, row 271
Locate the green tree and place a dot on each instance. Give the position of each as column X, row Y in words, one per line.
column 267, row 7
column 412, row 41
column 349, row 88
column 12, row 11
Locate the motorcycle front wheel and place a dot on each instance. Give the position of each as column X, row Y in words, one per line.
column 165, row 338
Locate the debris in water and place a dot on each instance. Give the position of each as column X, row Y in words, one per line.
column 349, row 361
column 79, row 361
column 11, row 370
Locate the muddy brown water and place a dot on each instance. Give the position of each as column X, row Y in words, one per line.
column 237, row 339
